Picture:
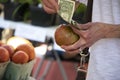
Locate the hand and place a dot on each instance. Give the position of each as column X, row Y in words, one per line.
column 50, row 6
column 89, row 33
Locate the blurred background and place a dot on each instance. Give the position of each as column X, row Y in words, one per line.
column 28, row 20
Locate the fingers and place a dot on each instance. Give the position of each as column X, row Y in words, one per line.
column 84, row 30
column 75, row 48
column 50, row 6
column 55, row 4
column 49, row 10
column 73, row 51
column 76, row 51
column 86, row 38
column 78, row 26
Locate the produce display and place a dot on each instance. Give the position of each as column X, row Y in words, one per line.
column 20, row 57
column 16, row 63
column 9, row 48
column 4, row 55
column 29, row 49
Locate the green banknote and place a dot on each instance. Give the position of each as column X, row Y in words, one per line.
column 66, row 9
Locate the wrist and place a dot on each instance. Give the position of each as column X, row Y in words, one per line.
column 113, row 31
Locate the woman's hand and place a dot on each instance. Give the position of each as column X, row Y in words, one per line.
column 50, row 6
column 89, row 33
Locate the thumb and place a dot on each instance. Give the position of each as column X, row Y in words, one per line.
column 82, row 26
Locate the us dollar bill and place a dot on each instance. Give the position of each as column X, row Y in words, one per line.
column 66, row 9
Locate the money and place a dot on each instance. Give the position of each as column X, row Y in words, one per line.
column 66, row 9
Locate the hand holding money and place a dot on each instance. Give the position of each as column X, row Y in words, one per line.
column 65, row 8
column 66, row 11
column 50, row 6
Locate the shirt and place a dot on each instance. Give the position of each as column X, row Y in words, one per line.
column 104, row 63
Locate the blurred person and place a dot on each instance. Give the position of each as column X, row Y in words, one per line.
column 102, row 36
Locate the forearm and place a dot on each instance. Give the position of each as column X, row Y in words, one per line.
column 114, row 31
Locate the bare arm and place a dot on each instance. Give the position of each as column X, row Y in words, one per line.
column 90, row 33
column 114, row 31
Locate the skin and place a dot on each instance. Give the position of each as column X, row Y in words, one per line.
column 90, row 33
column 50, row 6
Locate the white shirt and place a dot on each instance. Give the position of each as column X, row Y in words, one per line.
column 104, row 63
